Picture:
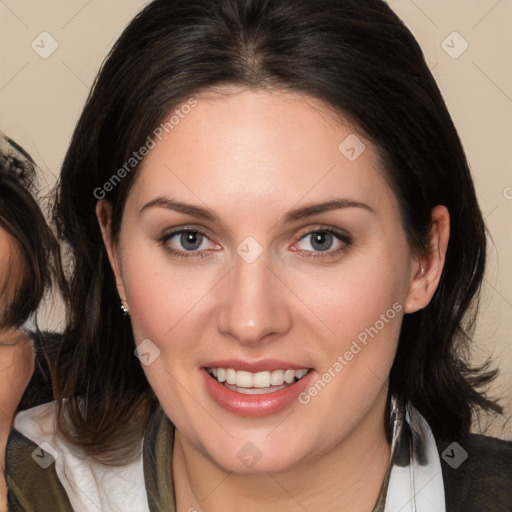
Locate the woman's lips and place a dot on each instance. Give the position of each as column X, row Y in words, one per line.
column 255, row 402
column 253, row 366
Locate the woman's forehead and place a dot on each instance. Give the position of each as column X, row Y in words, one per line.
column 10, row 264
column 261, row 147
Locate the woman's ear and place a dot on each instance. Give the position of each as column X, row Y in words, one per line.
column 426, row 271
column 104, row 216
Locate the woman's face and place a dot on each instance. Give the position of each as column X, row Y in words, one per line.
column 9, row 268
column 261, row 236
column 16, row 353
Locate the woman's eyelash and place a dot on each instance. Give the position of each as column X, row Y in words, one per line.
column 341, row 237
column 184, row 253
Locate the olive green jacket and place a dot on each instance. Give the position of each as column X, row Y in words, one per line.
column 482, row 483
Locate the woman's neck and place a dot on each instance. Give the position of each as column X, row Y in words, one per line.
column 347, row 478
column 16, row 367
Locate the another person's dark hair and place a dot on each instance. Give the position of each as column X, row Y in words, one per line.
column 35, row 264
column 360, row 59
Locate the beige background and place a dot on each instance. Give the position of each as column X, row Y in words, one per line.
column 41, row 98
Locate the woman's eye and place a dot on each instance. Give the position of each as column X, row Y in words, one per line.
column 187, row 241
column 323, row 240
column 193, row 243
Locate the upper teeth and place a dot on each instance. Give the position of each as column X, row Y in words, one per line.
column 244, row 379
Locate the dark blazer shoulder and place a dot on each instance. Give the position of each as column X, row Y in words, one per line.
column 32, row 481
column 483, row 481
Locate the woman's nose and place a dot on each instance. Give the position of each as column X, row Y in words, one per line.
column 254, row 305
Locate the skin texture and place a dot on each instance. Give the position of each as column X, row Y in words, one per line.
column 16, row 357
column 250, row 157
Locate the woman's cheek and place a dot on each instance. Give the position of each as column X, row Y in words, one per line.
column 163, row 300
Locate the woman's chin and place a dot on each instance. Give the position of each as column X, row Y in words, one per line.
column 258, row 455
column 251, row 460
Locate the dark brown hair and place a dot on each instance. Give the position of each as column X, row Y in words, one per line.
column 35, row 262
column 360, row 59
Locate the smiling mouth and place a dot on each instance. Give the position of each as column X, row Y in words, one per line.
column 256, row 383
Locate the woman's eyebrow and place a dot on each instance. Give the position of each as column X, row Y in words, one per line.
column 291, row 216
column 178, row 206
column 316, row 208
